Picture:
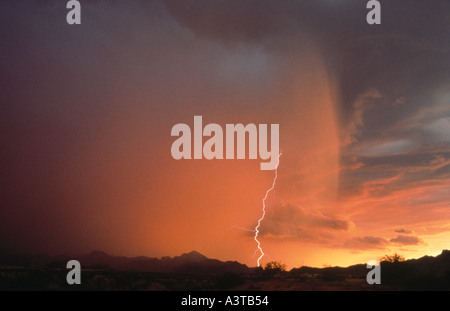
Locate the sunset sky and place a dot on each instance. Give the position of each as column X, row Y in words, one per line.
column 86, row 113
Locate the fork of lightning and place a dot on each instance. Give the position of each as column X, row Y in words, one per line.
column 264, row 212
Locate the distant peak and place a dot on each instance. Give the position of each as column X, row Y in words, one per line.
column 98, row 253
column 194, row 255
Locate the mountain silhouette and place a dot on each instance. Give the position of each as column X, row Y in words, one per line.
column 192, row 262
column 195, row 271
column 425, row 273
column 426, row 268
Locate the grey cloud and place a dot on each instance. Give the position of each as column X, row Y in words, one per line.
column 394, row 57
column 406, row 231
column 406, row 240
column 388, row 148
column 366, row 242
column 439, row 129
column 411, row 170
column 296, row 223
column 373, row 242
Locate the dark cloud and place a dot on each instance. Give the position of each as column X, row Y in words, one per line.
column 291, row 222
column 382, row 176
column 406, row 240
column 413, row 38
column 405, row 231
column 235, row 21
column 366, row 242
column 372, row 242
column 392, row 78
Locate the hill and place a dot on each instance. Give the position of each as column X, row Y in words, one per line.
column 192, row 262
column 194, row 271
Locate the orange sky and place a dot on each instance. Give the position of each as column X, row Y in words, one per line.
column 89, row 111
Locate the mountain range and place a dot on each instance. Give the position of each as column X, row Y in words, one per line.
column 192, row 262
column 194, row 271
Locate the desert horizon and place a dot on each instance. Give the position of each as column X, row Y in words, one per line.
column 193, row 272
column 97, row 257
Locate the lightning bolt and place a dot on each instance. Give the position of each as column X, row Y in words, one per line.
column 264, row 212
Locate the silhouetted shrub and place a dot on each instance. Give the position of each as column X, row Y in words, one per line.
column 392, row 258
column 275, row 266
